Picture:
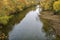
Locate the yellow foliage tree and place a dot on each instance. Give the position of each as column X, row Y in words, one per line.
column 56, row 6
column 46, row 4
column 10, row 6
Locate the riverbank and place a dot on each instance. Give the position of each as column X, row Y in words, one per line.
column 51, row 20
column 11, row 8
column 4, row 20
column 4, row 30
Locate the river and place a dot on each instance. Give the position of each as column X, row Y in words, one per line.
column 29, row 28
column 27, row 25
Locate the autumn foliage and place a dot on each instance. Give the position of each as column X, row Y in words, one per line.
column 9, row 7
column 56, row 6
column 47, row 4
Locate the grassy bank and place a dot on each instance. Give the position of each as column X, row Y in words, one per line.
column 51, row 21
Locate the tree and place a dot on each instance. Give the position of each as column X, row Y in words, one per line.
column 56, row 7
column 47, row 4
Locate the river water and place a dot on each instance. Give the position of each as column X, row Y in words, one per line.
column 29, row 28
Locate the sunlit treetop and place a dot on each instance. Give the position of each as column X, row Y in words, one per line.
column 56, row 5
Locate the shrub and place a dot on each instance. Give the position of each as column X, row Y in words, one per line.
column 56, row 6
column 47, row 4
column 4, row 19
column 8, row 7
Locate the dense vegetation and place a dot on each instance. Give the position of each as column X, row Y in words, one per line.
column 9, row 7
column 56, row 6
column 52, row 5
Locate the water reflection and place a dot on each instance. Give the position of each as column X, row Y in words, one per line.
column 30, row 28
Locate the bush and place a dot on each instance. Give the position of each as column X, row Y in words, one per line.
column 47, row 4
column 56, row 6
column 8, row 7
column 4, row 19
column 20, row 6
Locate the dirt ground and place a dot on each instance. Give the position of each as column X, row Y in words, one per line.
column 54, row 20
